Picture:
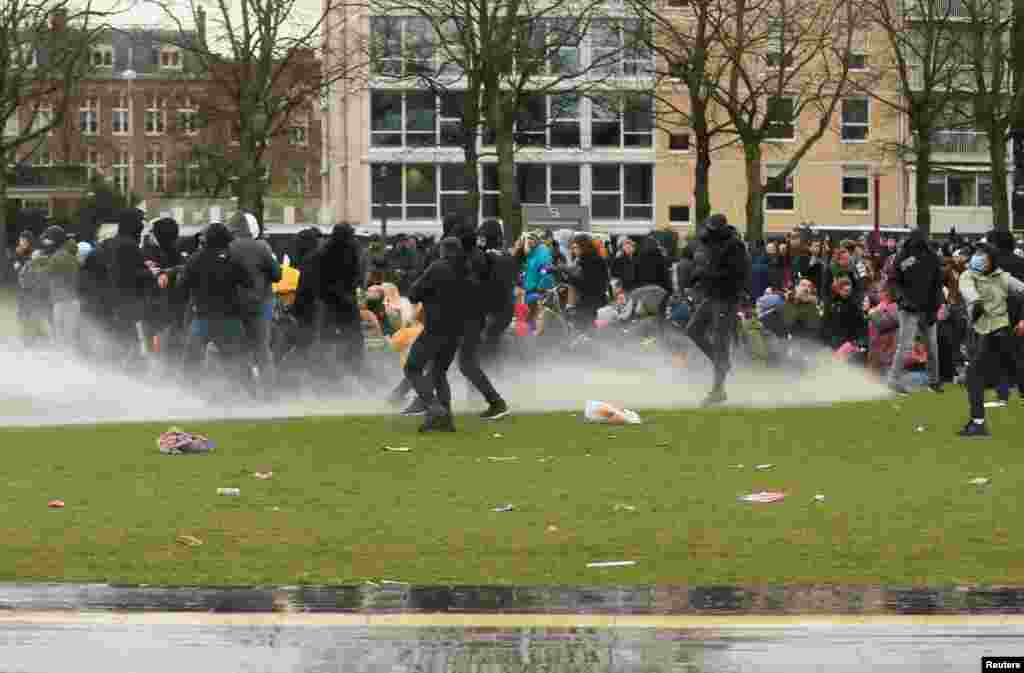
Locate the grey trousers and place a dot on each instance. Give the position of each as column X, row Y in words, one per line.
column 911, row 325
column 66, row 316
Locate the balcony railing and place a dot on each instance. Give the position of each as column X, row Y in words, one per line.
column 960, row 142
column 48, row 177
column 964, row 80
column 936, row 9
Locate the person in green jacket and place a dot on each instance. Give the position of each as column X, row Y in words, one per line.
column 985, row 290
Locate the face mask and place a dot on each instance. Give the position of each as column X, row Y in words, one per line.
column 979, row 263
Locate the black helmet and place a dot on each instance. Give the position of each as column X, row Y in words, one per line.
column 53, row 237
column 218, row 236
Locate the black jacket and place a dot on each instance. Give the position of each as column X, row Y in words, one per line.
column 213, row 281
column 331, row 275
column 1013, row 265
column 441, row 289
column 721, row 264
column 500, row 284
column 590, row 278
column 652, row 268
column 844, row 321
column 126, row 272
column 165, row 306
column 918, row 275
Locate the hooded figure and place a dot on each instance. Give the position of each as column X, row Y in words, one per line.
column 501, row 284
column 128, row 279
column 328, row 285
column 721, row 276
column 165, row 308
column 257, row 299
column 917, row 274
column 986, row 291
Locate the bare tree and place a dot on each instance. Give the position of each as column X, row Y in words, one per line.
column 787, row 66
column 689, row 71
column 44, row 50
column 990, row 27
column 260, row 59
column 498, row 62
column 920, row 75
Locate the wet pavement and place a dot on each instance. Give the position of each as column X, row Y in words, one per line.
column 399, row 628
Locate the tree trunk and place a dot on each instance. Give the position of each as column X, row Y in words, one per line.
column 1000, row 193
column 755, row 192
column 923, row 171
column 511, row 209
column 702, row 171
column 5, row 266
column 249, row 190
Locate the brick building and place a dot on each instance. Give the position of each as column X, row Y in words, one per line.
column 136, row 122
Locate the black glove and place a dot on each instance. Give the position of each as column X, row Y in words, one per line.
column 977, row 311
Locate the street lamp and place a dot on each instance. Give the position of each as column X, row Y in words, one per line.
column 876, row 236
column 383, row 171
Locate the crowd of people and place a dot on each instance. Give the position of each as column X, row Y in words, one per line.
column 912, row 313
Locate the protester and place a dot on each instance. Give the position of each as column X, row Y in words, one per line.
column 58, row 263
column 721, row 277
column 589, row 278
column 986, row 290
column 441, row 290
column 257, row 300
column 126, row 280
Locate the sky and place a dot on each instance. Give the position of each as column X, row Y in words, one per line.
column 148, row 13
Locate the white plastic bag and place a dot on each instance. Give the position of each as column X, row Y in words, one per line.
column 602, row 412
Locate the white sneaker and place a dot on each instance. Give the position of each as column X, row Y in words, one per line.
column 996, row 404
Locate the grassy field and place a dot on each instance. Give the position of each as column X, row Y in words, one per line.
column 341, row 509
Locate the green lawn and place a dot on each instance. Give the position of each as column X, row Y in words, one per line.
column 340, row 509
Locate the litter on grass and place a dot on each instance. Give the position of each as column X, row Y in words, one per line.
column 263, row 475
column 763, row 496
column 55, row 504
column 602, row 412
column 176, row 441
column 497, row 435
column 611, row 564
column 398, row 449
column 504, row 508
column 502, row 459
column 920, row 428
column 980, row 481
column 738, row 466
column 624, row 508
column 765, row 466
column 820, row 497
column 189, row 540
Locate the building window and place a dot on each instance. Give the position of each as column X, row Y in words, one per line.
column 42, row 117
column 961, row 190
column 299, row 130
column 548, row 184
column 454, row 188
column 857, row 56
column 401, row 45
column 856, row 189
column 556, row 43
column 490, row 195
column 120, row 116
column 194, row 178
column 532, row 183
column 89, row 116
column 102, row 57
column 780, row 118
column 778, row 54
column 420, row 119
column 156, row 116
column 156, row 170
column 565, row 120
column 622, row 191
column 779, row 197
column 297, row 181
column 170, row 58
column 385, row 119
column 679, row 214
column 679, row 142
column 187, row 120
column 618, row 47
column 91, row 160
column 452, row 107
column 622, row 121
column 532, row 122
column 564, row 184
column 37, row 206
column 404, row 192
column 122, row 169
column 855, row 119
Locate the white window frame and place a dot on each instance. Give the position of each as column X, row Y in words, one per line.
column 156, row 115
column 187, row 117
column 168, row 54
column 298, row 131
column 771, row 170
column 121, row 171
column 621, row 193
column 855, row 171
column 979, row 178
column 193, row 175
column 298, row 181
column 843, row 124
column 792, row 123
column 102, row 56
column 155, row 170
column 122, row 111
column 89, row 115
column 91, row 160
column 534, row 133
column 569, row 193
column 620, row 102
column 554, row 110
column 776, row 54
column 442, row 192
column 27, row 205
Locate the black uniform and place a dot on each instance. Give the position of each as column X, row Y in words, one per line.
column 721, row 276
column 441, row 289
column 128, row 280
